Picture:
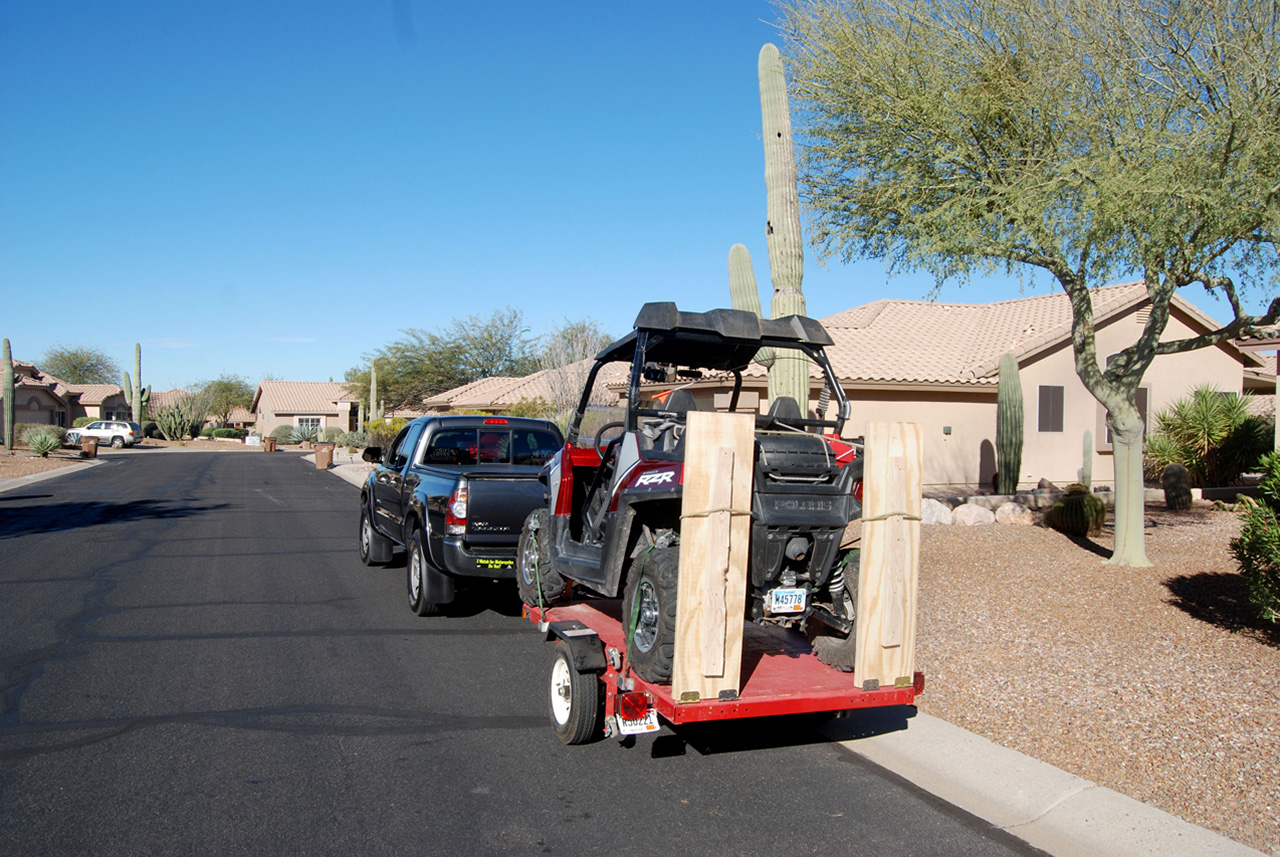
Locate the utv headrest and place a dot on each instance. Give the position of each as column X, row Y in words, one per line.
column 785, row 408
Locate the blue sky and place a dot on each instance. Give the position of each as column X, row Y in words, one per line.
column 275, row 189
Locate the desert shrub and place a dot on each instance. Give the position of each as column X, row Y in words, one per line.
column 354, row 439
column 23, row 431
column 1215, row 435
column 228, row 432
column 150, row 429
column 332, row 433
column 302, row 434
column 281, row 433
column 381, row 434
column 42, row 441
column 81, row 421
column 1257, row 548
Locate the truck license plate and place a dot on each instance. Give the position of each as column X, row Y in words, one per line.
column 647, row 723
column 786, row 600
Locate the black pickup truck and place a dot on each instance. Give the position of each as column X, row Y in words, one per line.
column 454, row 491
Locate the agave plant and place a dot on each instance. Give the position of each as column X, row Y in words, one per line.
column 301, row 434
column 43, row 442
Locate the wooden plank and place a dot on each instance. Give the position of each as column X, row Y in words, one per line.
column 715, row 579
column 713, row 480
column 890, row 559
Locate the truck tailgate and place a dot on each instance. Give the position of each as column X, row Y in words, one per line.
column 497, row 506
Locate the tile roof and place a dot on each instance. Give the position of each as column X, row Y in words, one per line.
column 302, row 397
column 165, row 398
column 468, row 391
column 94, row 394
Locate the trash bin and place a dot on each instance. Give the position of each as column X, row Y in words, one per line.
column 324, row 455
column 88, row 447
column 268, row 444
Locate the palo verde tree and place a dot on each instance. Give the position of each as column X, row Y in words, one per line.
column 224, row 394
column 565, row 355
column 80, row 364
column 1082, row 139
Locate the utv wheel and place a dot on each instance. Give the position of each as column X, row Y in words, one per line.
column 575, row 700
column 649, row 612
column 833, row 648
column 536, row 573
column 418, row 602
column 375, row 548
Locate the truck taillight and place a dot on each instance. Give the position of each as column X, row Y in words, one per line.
column 455, row 515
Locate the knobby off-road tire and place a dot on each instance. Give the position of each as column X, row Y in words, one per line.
column 831, row 647
column 576, row 708
column 650, row 603
column 535, row 565
column 375, row 548
column 417, row 566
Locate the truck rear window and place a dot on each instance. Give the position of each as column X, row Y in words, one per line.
column 487, row 446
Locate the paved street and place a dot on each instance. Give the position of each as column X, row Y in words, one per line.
column 194, row 661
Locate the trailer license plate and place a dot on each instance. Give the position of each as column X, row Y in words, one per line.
column 647, row 723
column 786, row 601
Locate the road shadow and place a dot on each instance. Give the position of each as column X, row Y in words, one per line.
column 770, row 733
column 64, row 517
column 1221, row 599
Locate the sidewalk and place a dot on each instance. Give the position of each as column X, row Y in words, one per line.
column 1059, row 813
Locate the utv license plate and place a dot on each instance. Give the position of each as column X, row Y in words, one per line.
column 647, row 723
column 484, row 562
column 786, row 601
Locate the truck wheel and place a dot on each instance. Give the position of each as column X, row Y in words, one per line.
column 833, row 648
column 375, row 548
column 575, row 700
column 649, row 614
column 537, row 578
column 418, row 602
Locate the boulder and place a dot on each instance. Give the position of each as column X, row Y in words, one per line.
column 934, row 512
column 971, row 514
column 1046, row 487
column 1015, row 513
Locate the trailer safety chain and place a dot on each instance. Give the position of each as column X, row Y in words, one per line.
column 887, row 515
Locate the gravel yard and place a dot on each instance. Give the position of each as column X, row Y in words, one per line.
column 1156, row 682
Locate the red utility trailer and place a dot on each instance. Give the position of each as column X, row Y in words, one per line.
column 594, row 693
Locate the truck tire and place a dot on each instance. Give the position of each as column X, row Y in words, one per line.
column 537, row 577
column 649, row 614
column 375, row 548
column 417, row 564
column 576, row 711
column 831, row 647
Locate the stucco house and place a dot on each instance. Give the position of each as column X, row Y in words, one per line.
column 39, row 399
column 937, row 364
column 322, row 404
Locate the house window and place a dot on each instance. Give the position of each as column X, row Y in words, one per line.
column 306, row 423
column 1051, row 399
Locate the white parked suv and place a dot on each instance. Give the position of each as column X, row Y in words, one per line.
column 114, row 432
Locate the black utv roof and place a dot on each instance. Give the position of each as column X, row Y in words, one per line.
column 718, row 339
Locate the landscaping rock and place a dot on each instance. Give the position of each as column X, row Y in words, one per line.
column 934, row 512
column 971, row 514
column 1015, row 513
column 1047, row 487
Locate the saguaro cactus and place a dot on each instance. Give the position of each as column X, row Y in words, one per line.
column 137, row 395
column 375, row 409
column 744, row 292
column 1009, row 433
column 789, row 374
column 1086, row 469
column 8, row 391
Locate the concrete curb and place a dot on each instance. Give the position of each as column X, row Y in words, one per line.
column 19, row 481
column 1057, row 812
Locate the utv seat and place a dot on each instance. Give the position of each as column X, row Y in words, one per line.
column 785, row 413
column 670, row 436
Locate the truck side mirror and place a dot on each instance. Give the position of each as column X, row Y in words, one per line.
column 372, row 454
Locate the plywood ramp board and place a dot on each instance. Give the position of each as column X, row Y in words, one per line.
column 714, row 538
column 890, row 560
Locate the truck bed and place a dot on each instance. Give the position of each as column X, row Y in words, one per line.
column 780, row 674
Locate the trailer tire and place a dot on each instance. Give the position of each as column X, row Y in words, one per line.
column 651, row 623
column 831, row 647
column 417, row 574
column 536, row 566
column 575, row 703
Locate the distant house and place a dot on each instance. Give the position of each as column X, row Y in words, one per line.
column 39, row 399
column 99, row 402
column 300, row 404
column 937, row 364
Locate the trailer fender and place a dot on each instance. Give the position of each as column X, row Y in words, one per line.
column 584, row 644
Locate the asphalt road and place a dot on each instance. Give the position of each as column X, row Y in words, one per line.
column 194, row 661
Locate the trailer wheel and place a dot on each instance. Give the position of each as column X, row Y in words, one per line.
column 649, row 614
column 833, row 648
column 537, row 578
column 418, row 602
column 576, row 713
